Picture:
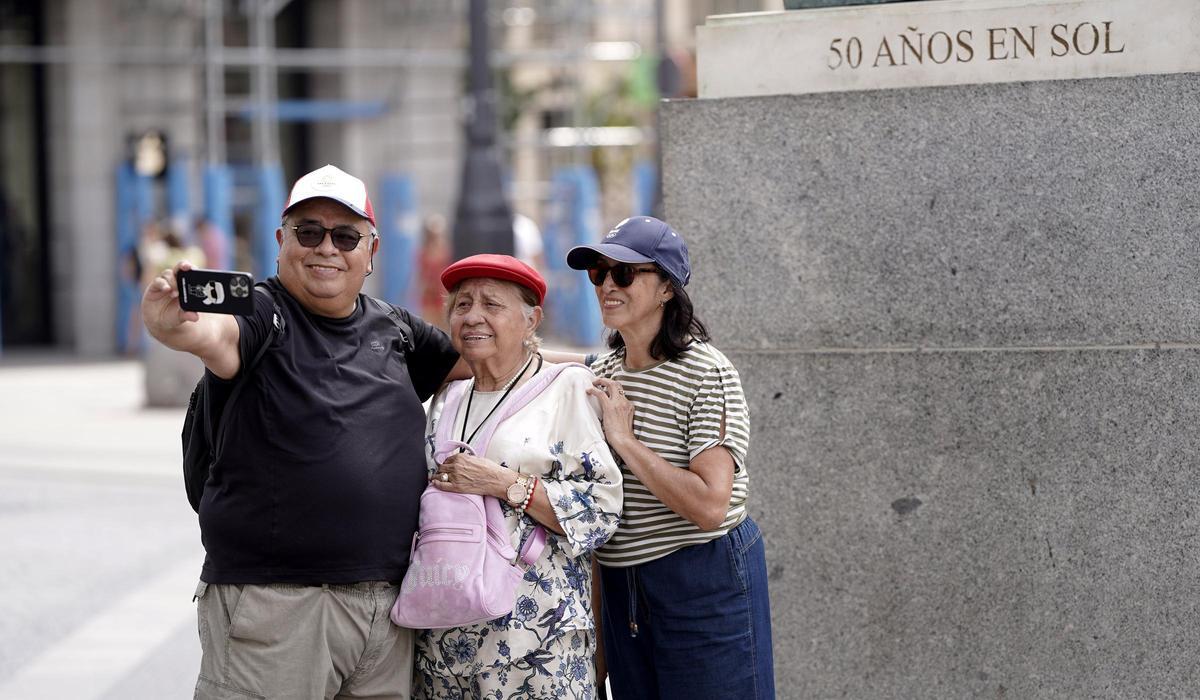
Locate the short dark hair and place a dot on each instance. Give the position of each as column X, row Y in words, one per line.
column 679, row 325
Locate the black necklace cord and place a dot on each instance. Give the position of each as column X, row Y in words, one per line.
column 507, row 390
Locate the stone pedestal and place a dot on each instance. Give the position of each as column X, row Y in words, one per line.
column 967, row 321
column 169, row 376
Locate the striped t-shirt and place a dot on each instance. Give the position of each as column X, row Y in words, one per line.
column 678, row 407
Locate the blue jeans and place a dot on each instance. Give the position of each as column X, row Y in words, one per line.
column 693, row 625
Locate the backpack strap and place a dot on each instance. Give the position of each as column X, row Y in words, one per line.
column 277, row 325
column 524, row 394
column 397, row 317
column 444, row 442
column 534, row 544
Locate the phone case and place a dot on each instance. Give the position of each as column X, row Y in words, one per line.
column 216, row 292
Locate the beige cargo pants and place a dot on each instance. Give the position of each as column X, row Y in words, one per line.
column 298, row 642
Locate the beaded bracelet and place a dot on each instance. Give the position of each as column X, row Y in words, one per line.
column 528, row 495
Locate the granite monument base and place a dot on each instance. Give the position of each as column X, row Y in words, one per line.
column 968, row 323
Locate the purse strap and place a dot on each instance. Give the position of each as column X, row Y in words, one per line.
column 445, row 444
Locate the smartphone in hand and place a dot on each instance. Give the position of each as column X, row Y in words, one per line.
column 216, row 291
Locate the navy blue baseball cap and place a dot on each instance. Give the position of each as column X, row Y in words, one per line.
column 639, row 239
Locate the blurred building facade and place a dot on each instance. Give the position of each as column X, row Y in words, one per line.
column 91, row 88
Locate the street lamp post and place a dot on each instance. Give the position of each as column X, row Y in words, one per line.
column 483, row 219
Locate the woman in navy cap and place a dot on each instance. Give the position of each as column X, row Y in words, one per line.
column 685, row 608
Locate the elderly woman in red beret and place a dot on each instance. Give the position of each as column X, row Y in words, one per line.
column 549, row 465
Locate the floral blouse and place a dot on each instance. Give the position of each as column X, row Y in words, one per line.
column 557, row 437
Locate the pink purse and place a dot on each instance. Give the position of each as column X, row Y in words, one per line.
column 463, row 569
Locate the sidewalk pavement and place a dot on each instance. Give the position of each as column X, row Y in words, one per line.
column 99, row 552
column 80, row 417
column 85, row 423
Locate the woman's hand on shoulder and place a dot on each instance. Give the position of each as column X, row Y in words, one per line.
column 616, row 412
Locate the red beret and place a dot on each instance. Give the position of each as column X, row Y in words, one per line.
column 501, row 267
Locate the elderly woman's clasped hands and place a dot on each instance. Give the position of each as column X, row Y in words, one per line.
column 463, row 472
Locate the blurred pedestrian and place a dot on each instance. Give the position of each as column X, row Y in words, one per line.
column 158, row 248
column 214, row 242
column 432, row 259
column 131, row 280
column 161, row 247
column 308, row 516
column 527, row 243
column 684, row 580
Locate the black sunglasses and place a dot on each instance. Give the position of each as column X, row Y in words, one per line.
column 345, row 238
column 623, row 274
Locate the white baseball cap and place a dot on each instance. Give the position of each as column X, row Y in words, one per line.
column 333, row 183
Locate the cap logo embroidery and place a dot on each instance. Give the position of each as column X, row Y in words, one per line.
column 616, row 229
column 326, row 182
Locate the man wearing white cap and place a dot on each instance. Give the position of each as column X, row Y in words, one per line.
column 308, row 515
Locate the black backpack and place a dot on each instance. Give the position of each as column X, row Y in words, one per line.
column 201, row 445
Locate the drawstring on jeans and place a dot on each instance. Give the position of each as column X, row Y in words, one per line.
column 631, row 580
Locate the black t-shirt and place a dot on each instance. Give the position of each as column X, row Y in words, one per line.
column 322, row 466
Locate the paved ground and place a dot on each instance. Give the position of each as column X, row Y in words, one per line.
column 99, row 551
